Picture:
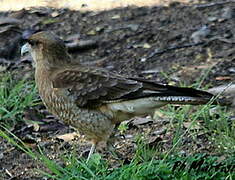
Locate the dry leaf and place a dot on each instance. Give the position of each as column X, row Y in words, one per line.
column 67, row 137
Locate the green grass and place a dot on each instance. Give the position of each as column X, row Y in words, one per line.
column 218, row 126
column 198, row 166
column 147, row 163
column 174, row 166
column 14, row 98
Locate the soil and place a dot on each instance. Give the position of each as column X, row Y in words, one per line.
column 172, row 44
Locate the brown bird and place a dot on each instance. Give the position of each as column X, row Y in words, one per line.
column 92, row 99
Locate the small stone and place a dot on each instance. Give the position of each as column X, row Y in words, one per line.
column 213, row 111
column 1, row 155
column 141, row 121
column 151, row 71
column 146, row 46
column 159, row 132
column 129, row 136
column 199, row 35
column 55, row 14
column 91, row 32
column 231, row 70
column 212, row 19
column 133, row 27
column 98, row 29
column 143, row 59
column 116, row 17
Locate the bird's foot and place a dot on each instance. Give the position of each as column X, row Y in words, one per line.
column 113, row 152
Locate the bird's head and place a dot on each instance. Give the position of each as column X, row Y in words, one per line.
column 45, row 47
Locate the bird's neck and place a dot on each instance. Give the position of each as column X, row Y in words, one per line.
column 49, row 61
column 56, row 59
column 42, row 74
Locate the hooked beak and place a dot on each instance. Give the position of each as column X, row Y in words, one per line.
column 25, row 49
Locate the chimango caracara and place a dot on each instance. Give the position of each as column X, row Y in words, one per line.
column 94, row 100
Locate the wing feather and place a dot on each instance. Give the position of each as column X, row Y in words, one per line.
column 93, row 87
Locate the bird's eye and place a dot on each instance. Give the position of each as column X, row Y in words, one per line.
column 32, row 43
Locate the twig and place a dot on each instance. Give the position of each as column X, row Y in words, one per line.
column 223, row 40
column 157, row 52
column 82, row 45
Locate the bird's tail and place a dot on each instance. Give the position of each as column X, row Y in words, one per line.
column 182, row 95
column 193, row 100
column 178, row 95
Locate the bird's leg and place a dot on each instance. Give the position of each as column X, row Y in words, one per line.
column 91, row 151
column 113, row 152
column 111, row 148
column 111, row 141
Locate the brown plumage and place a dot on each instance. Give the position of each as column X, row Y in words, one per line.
column 92, row 99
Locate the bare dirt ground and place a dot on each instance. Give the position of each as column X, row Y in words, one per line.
column 183, row 40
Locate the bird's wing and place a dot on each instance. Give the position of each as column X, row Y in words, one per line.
column 167, row 90
column 91, row 86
